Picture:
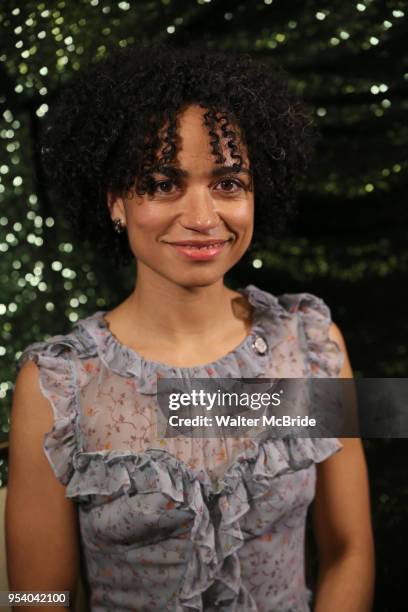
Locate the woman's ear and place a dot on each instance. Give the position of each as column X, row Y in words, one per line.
column 116, row 207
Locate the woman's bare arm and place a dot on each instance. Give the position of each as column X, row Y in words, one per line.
column 41, row 523
column 342, row 524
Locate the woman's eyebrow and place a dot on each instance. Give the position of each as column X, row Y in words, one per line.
column 175, row 172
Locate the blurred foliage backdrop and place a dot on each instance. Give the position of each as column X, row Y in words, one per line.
column 348, row 245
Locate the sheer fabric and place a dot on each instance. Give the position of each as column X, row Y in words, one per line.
column 186, row 524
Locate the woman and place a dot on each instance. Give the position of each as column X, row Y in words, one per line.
column 156, row 152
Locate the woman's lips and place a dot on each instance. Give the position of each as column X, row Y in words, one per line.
column 199, row 253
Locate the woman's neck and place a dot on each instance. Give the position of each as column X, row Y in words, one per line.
column 172, row 315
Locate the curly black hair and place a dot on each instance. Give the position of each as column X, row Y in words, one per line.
column 107, row 128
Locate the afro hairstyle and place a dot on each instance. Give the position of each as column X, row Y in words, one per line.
column 107, row 127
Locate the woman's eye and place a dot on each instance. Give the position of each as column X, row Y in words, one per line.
column 161, row 187
column 230, row 182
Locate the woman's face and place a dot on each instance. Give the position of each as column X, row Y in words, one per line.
column 200, row 206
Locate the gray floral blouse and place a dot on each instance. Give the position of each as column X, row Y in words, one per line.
column 186, row 524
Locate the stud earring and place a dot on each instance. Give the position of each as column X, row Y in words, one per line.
column 118, row 226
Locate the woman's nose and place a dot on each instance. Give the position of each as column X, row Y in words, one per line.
column 199, row 210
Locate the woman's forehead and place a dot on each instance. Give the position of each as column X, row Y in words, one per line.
column 194, row 142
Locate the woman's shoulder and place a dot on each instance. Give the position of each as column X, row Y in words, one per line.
column 77, row 342
column 307, row 317
column 309, row 306
column 64, row 365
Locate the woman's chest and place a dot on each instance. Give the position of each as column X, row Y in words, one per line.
column 155, row 512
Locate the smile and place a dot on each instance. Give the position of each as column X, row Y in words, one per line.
column 200, row 253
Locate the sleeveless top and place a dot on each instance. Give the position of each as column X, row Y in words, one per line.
column 186, row 524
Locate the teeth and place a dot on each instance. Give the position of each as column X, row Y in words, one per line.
column 199, row 248
column 210, row 246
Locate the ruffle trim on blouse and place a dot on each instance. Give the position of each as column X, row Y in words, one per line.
column 324, row 354
column 123, row 360
column 57, row 379
column 101, row 476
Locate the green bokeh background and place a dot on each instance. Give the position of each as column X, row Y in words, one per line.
column 348, row 245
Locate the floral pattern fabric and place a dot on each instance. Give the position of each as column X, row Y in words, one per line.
column 186, row 524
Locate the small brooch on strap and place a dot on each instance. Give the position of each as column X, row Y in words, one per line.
column 259, row 345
